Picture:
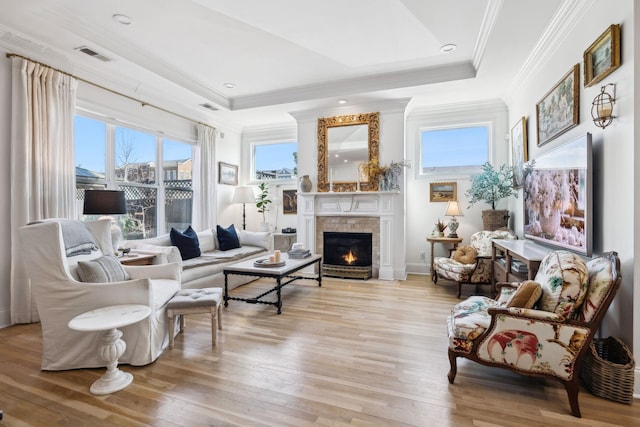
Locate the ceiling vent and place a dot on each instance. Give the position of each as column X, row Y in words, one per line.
column 93, row 53
column 209, row 107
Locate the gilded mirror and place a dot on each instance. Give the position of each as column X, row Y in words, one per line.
column 344, row 143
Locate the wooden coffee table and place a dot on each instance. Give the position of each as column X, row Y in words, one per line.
column 247, row 268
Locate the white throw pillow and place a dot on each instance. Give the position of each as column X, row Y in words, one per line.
column 254, row 238
column 102, row 270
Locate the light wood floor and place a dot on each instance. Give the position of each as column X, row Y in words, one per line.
column 351, row 353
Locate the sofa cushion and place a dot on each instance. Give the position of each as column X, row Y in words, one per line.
column 527, row 294
column 102, row 270
column 261, row 239
column 208, row 240
column 187, row 242
column 601, row 278
column 164, row 254
column 564, row 278
column 468, row 320
column 465, row 254
column 227, row 238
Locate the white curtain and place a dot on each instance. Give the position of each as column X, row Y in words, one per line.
column 204, row 203
column 42, row 162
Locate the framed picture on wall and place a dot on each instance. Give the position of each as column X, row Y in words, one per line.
column 519, row 153
column 603, row 56
column 227, row 173
column 289, row 202
column 558, row 110
column 443, row 191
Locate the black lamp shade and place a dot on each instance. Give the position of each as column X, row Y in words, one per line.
column 104, row 202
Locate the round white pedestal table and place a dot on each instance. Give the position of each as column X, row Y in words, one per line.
column 109, row 319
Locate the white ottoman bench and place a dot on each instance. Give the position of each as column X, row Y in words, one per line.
column 196, row 301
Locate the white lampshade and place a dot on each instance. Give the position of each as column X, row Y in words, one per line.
column 453, row 209
column 244, row 195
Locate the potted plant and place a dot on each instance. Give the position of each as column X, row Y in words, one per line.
column 438, row 231
column 262, row 203
column 491, row 186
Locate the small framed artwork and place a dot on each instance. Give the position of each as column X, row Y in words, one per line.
column 603, row 56
column 227, row 173
column 519, row 154
column 289, row 202
column 558, row 111
column 443, row 191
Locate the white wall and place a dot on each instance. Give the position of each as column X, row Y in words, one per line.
column 423, row 214
column 614, row 154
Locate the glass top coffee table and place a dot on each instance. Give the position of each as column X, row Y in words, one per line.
column 282, row 274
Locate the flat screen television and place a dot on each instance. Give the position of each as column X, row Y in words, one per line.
column 558, row 197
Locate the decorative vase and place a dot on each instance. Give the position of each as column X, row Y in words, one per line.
column 305, row 184
column 550, row 224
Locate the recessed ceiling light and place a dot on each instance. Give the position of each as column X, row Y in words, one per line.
column 122, row 19
column 447, row 48
column 230, row 85
column 342, row 101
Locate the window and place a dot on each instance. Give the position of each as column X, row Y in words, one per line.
column 91, row 143
column 273, row 161
column 115, row 157
column 454, row 149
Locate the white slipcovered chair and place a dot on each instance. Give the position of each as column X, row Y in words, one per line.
column 476, row 270
column 60, row 296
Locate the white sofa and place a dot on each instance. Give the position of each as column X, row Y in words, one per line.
column 60, row 296
column 205, row 271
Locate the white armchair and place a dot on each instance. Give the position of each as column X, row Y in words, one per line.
column 60, row 295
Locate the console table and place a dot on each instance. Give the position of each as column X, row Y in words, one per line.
column 526, row 251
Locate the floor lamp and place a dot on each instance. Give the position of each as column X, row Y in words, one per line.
column 106, row 202
column 244, row 195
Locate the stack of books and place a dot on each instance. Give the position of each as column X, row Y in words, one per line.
column 299, row 253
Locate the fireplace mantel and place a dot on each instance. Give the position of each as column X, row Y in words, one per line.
column 378, row 204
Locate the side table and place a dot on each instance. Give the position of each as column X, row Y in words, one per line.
column 137, row 259
column 109, row 319
column 442, row 240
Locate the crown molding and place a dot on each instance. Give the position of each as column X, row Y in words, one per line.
column 563, row 22
column 479, row 108
column 357, row 85
column 488, row 22
column 384, row 106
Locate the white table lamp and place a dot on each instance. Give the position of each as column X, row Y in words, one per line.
column 453, row 210
column 244, row 195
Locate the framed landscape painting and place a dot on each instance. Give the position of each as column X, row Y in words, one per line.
column 442, row 191
column 603, row 56
column 227, row 173
column 558, row 110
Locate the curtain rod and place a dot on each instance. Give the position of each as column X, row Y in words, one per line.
column 142, row 103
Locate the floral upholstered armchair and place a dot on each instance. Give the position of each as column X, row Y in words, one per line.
column 470, row 263
column 542, row 327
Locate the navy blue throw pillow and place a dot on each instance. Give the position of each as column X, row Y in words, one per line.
column 227, row 238
column 187, row 242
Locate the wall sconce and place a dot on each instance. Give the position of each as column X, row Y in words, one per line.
column 602, row 108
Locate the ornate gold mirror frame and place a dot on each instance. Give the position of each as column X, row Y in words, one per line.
column 372, row 120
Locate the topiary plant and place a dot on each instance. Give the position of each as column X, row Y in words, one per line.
column 491, row 185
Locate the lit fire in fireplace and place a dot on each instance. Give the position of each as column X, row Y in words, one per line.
column 349, row 258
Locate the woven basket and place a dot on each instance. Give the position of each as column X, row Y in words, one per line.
column 495, row 219
column 607, row 370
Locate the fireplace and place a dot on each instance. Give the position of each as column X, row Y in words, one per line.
column 347, row 255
